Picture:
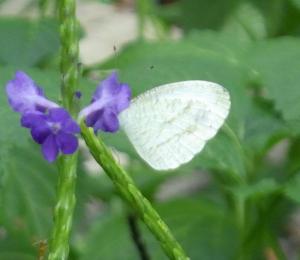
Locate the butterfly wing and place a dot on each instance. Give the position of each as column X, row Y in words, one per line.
column 168, row 125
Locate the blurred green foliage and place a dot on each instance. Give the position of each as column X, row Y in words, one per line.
column 27, row 43
column 253, row 49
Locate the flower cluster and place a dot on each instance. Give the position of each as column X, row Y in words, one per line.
column 51, row 126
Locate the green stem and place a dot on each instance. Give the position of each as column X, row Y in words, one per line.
column 63, row 212
column 240, row 214
column 261, row 233
column 142, row 8
column 69, row 54
column 231, row 134
column 131, row 194
column 146, row 12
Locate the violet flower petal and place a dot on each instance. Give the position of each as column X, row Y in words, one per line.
column 67, row 143
column 108, row 122
column 58, row 115
column 71, row 127
column 24, row 96
column 124, row 96
column 61, row 116
column 40, row 133
column 50, row 148
column 92, row 118
column 107, row 87
column 110, row 98
column 29, row 120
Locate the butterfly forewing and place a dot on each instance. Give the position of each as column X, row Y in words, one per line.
column 169, row 124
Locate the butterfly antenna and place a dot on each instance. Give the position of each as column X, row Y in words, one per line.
column 116, row 59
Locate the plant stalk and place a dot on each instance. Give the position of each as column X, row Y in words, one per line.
column 64, row 208
column 65, row 204
column 131, row 194
column 69, row 54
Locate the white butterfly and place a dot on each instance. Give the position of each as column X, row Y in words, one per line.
column 168, row 125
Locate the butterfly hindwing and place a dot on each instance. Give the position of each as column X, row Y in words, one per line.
column 168, row 125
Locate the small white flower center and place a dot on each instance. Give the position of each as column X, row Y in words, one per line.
column 55, row 127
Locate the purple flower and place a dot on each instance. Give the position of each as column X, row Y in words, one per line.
column 54, row 131
column 110, row 98
column 25, row 96
column 50, row 125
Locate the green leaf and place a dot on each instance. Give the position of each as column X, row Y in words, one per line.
column 256, row 19
column 220, row 44
column 107, row 233
column 201, row 14
column 293, row 156
column 27, row 191
column 200, row 226
column 16, row 245
column 26, row 42
column 246, row 22
column 261, row 117
column 258, row 190
column 296, row 3
column 290, row 24
column 245, row 19
column 292, row 189
column 15, row 255
column 277, row 64
column 222, row 154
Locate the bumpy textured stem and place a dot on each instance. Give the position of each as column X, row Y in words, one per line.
column 63, row 212
column 131, row 194
column 69, row 53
